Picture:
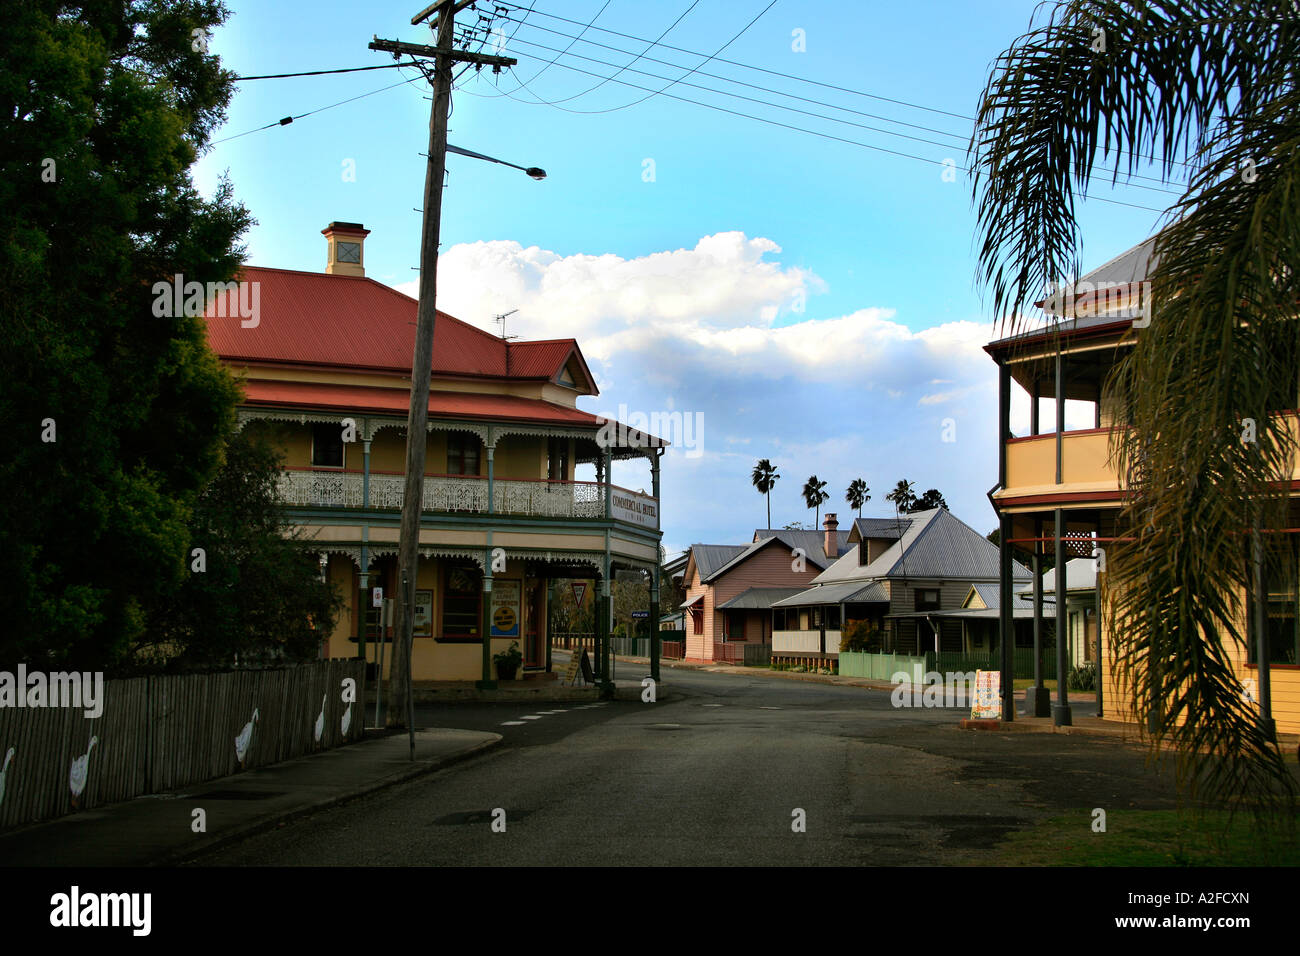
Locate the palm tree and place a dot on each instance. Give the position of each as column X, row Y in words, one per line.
column 814, row 496
column 856, row 495
column 903, row 500
column 764, row 477
column 902, row 497
column 1205, row 98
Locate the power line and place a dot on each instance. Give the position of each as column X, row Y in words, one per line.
column 800, row 129
column 693, row 69
column 289, row 119
column 523, row 83
column 282, row 76
column 606, row 79
column 788, row 76
column 793, row 109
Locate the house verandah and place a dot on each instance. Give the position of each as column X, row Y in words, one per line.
column 325, row 370
column 1060, row 494
column 490, row 547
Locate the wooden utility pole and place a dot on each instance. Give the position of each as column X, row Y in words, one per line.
column 408, row 549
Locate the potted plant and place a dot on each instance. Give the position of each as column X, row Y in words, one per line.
column 508, row 662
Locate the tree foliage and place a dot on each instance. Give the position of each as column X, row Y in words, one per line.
column 1203, row 96
column 259, row 597
column 103, row 108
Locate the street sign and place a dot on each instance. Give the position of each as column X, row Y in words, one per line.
column 376, row 597
column 579, row 592
column 988, row 695
column 640, row 615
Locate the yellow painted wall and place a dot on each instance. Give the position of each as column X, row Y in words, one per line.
column 1285, row 683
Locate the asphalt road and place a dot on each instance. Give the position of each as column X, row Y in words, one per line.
column 720, row 775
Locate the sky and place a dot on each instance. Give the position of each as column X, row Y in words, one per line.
column 792, row 296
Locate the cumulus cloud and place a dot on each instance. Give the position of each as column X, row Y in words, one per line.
column 725, row 331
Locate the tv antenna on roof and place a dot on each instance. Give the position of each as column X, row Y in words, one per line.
column 502, row 320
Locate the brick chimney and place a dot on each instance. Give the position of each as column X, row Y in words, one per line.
column 346, row 248
column 832, row 543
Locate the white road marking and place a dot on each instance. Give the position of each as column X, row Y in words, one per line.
column 532, row 717
column 513, row 723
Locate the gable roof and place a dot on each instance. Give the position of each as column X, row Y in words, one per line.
column 891, row 528
column 317, row 319
column 936, row 544
column 813, row 543
column 708, row 558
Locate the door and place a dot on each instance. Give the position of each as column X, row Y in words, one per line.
column 534, row 617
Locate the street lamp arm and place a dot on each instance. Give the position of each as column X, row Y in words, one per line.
column 532, row 171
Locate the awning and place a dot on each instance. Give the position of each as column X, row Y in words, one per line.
column 690, row 604
column 846, row 592
column 758, row 599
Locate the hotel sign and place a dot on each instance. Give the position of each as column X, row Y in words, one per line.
column 634, row 509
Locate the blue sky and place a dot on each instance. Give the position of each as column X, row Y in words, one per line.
column 812, row 301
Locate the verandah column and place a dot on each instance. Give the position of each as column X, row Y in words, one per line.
column 1061, row 712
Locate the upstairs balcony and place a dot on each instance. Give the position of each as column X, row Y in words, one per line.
column 459, row 494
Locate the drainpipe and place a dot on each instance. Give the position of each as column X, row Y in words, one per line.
column 491, row 449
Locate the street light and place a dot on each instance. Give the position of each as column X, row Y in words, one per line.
column 532, row 171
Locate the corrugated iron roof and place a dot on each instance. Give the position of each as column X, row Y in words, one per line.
column 936, row 544
column 757, row 599
column 710, row 557
column 846, row 592
column 312, row 318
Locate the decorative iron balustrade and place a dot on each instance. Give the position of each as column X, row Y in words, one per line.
column 547, row 499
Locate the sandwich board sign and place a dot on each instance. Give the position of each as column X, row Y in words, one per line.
column 571, row 672
column 988, row 696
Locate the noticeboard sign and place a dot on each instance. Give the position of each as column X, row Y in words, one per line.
column 988, row 696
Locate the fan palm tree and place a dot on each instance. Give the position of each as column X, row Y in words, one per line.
column 764, row 477
column 814, row 496
column 857, row 494
column 902, row 497
column 1202, row 95
column 929, row 501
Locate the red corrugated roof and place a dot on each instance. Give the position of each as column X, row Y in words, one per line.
column 397, row 401
column 311, row 318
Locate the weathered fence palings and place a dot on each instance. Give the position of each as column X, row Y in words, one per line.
column 159, row 733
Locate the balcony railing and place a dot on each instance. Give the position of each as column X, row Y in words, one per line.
column 548, row 499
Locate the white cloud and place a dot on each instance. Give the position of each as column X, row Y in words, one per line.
column 695, row 331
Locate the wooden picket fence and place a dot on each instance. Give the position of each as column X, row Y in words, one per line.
column 161, row 733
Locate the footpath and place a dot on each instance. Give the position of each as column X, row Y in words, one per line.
column 158, row 829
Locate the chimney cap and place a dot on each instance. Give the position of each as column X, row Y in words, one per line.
column 830, row 519
column 349, row 228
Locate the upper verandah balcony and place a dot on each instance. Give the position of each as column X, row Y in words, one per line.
column 1063, row 457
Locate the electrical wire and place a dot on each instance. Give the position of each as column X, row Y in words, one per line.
column 282, row 76
column 289, row 119
column 606, row 79
column 522, row 84
column 829, row 136
column 793, row 109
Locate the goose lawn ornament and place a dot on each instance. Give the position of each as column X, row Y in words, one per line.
column 244, row 738
column 320, row 721
column 3, row 770
column 77, row 776
column 347, row 720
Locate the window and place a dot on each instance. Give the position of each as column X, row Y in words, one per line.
column 833, row 617
column 697, row 620
column 778, row 619
column 462, row 454
column 557, row 452
column 327, row 446
column 1280, row 618
column 927, row 599
column 462, row 606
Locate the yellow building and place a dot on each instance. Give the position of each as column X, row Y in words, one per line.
column 326, row 366
column 1058, row 491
